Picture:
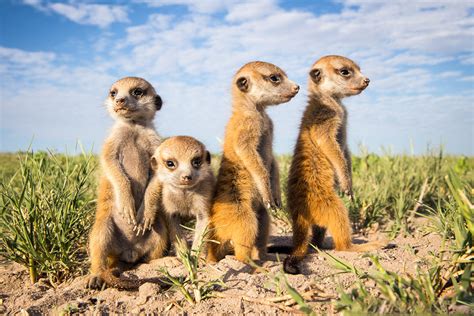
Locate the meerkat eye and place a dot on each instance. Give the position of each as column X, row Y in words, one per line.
column 138, row 92
column 275, row 78
column 170, row 164
column 344, row 72
column 113, row 93
column 196, row 162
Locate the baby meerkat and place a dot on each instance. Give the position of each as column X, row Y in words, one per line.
column 182, row 186
column 321, row 156
column 248, row 181
column 125, row 163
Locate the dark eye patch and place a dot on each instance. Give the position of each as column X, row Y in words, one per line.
column 138, row 92
column 170, row 164
column 275, row 78
column 113, row 93
column 196, row 162
column 345, row 72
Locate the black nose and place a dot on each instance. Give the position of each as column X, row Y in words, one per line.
column 367, row 80
column 186, row 178
column 120, row 101
column 296, row 88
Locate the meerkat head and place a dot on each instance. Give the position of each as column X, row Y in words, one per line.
column 264, row 84
column 338, row 76
column 133, row 99
column 181, row 161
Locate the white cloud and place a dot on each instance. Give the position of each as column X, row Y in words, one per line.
column 93, row 14
column 101, row 15
column 203, row 6
column 467, row 78
column 244, row 11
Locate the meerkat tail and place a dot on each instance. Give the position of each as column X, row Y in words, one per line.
column 369, row 246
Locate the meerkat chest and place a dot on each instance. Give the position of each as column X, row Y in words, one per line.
column 179, row 201
column 134, row 157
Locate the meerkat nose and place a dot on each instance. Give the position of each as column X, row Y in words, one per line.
column 296, row 88
column 367, row 80
column 186, row 178
column 120, row 101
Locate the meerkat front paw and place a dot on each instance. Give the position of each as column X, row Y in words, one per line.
column 95, row 282
column 145, row 224
column 277, row 202
column 127, row 211
column 270, row 206
column 345, row 186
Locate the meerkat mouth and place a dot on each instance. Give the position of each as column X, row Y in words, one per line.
column 360, row 89
column 185, row 186
column 289, row 96
column 123, row 110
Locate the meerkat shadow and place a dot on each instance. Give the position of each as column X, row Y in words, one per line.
column 328, row 243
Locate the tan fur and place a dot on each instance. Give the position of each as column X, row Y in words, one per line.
column 125, row 161
column 321, row 157
column 248, row 181
column 183, row 186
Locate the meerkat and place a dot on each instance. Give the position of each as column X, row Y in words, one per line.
column 125, row 164
column 321, row 158
column 248, row 180
column 182, row 186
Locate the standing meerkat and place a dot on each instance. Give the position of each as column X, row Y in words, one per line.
column 125, row 163
column 182, row 186
column 248, row 181
column 321, row 157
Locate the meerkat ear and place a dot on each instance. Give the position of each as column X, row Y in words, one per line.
column 315, row 75
column 208, row 157
column 158, row 102
column 154, row 163
column 243, row 84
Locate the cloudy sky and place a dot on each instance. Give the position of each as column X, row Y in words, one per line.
column 58, row 59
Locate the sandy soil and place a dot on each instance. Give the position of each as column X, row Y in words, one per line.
column 246, row 290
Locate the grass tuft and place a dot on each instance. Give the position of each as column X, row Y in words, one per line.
column 45, row 213
column 193, row 288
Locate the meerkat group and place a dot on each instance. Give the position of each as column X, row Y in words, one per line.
column 148, row 184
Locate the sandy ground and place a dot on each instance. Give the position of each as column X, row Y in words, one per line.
column 245, row 291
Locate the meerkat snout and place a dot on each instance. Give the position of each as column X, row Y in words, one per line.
column 186, row 179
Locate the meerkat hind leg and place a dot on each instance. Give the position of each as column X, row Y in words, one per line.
column 301, row 238
column 263, row 232
column 245, row 230
column 318, row 236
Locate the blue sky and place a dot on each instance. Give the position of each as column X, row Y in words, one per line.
column 58, row 59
